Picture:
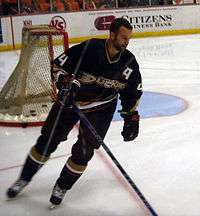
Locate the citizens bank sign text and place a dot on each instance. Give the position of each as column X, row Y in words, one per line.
column 140, row 22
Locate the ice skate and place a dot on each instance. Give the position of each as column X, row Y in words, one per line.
column 56, row 196
column 16, row 188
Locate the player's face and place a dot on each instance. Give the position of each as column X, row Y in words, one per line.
column 121, row 38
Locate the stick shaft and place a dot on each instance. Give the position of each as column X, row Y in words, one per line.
column 115, row 161
column 62, row 104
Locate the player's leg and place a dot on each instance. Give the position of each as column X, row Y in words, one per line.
column 43, row 148
column 82, row 151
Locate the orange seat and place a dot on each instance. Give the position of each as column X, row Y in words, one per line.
column 28, row 3
column 89, row 5
column 73, row 5
column 43, row 5
column 60, row 5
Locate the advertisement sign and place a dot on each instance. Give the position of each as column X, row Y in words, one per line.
column 85, row 24
column 142, row 20
column 58, row 22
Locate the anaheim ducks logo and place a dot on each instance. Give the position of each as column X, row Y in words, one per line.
column 103, row 23
column 101, row 81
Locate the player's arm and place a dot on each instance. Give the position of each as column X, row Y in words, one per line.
column 62, row 74
column 130, row 97
column 66, row 63
column 63, row 66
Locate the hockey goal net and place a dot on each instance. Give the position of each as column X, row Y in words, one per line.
column 27, row 96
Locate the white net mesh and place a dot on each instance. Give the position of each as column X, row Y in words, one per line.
column 27, row 96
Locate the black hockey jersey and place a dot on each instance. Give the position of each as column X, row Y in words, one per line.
column 102, row 78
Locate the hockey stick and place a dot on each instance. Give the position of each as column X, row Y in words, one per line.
column 113, row 158
column 62, row 104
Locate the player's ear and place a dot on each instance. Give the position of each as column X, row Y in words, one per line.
column 112, row 35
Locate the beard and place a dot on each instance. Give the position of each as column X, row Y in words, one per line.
column 119, row 47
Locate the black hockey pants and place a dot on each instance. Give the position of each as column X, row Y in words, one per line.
column 99, row 118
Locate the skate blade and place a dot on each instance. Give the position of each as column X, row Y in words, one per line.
column 52, row 206
column 8, row 199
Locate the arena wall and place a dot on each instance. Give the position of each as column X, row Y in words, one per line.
column 148, row 21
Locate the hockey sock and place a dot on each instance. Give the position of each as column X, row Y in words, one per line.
column 33, row 163
column 70, row 173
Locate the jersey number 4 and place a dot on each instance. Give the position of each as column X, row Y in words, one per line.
column 62, row 59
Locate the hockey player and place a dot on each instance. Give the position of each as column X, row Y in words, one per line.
column 107, row 69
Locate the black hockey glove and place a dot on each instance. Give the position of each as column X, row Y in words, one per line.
column 131, row 126
column 68, row 92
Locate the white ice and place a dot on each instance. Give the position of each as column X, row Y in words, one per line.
column 163, row 161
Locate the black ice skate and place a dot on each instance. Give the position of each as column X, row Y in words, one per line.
column 16, row 188
column 57, row 196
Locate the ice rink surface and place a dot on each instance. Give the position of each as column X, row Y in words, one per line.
column 163, row 161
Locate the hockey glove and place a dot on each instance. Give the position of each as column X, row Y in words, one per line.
column 131, row 126
column 68, row 92
column 63, row 80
